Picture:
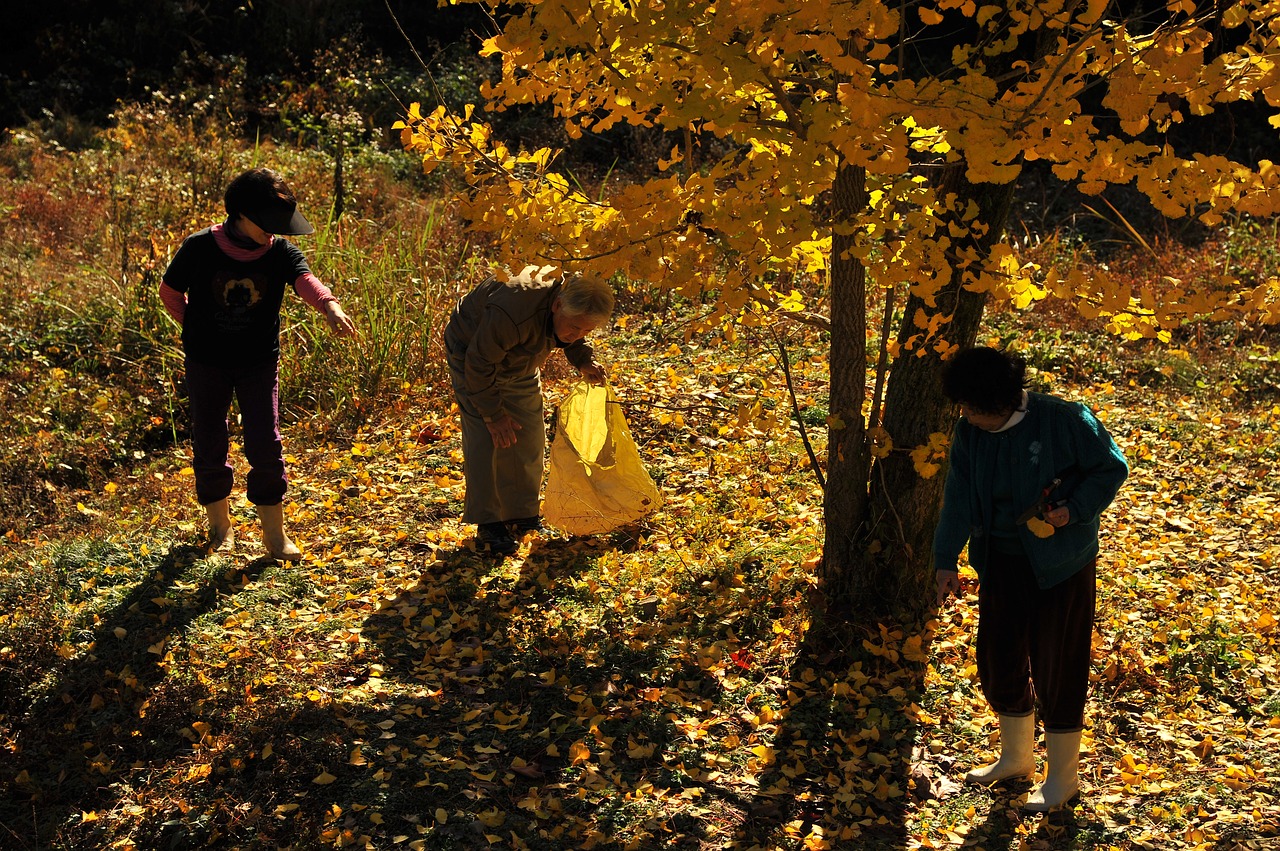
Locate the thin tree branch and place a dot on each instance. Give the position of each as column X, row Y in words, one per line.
column 795, row 410
column 882, row 359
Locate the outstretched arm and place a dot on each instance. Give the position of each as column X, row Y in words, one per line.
column 316, row 294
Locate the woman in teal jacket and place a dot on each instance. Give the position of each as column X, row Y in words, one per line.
column 1029, row 478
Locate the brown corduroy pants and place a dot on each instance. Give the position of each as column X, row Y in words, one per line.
column 1035, row 644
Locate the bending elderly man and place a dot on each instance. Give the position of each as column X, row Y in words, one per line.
column 497, row 339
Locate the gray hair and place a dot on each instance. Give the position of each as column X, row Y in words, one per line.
column 586, row 295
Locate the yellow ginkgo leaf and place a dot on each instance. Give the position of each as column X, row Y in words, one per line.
column 1040, row 528
column 324, row 779
column 930, row 17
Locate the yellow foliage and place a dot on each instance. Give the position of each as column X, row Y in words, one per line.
column 928, row 457
column 803, row 92
column 881, row 442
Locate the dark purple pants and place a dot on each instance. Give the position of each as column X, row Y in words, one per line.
column 256, row 388
column 1035, row 644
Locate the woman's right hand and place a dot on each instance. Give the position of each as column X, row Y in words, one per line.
column 503, row 431
column 338, row 321
column 948, row 584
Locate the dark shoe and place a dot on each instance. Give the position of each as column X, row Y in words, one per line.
column 525, row 525
column 495, row 538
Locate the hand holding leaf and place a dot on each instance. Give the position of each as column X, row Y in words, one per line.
column 1040, row 528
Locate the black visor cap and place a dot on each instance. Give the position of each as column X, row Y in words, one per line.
column 280, row 217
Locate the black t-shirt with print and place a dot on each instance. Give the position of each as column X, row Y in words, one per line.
column 233, row 306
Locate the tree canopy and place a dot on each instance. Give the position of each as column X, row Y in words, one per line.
column 765, row 101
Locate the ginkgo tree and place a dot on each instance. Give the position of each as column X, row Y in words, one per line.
column 865, row 146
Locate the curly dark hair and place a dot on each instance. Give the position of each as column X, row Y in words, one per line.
column 254, row 189
column 262, row 197
column 987, row 380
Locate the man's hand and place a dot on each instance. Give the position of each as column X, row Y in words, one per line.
column 338, row 321
column 948, row 584
column 593, row 372
column 503, row 431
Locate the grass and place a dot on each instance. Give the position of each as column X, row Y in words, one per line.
column 652, row 688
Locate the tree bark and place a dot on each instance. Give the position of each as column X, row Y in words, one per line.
column 896, row 574
column 848, row 456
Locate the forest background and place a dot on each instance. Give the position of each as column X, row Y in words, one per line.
column 650, row 689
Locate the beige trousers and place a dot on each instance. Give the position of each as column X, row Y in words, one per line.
column 503, row 484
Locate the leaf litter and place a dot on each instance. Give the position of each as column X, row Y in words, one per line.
column 650, row 688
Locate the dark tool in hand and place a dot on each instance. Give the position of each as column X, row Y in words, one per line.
column 1055, row 495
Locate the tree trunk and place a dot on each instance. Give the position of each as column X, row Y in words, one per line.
column 896, row 573
column 849, row 460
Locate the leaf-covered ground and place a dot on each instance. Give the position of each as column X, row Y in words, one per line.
column 648, row 689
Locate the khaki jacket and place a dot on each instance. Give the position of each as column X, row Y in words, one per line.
column 501, row 331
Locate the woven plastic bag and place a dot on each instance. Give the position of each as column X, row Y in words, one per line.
column 597, row 481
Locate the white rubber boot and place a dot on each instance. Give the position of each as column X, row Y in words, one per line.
column 222, row 534
column 1017, row 738
column 277, row 542
column 1062, row 777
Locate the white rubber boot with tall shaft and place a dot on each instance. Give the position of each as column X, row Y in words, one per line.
column 1062, row 777
column 277, row 542
column 1017, row 738
column 222, row 534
